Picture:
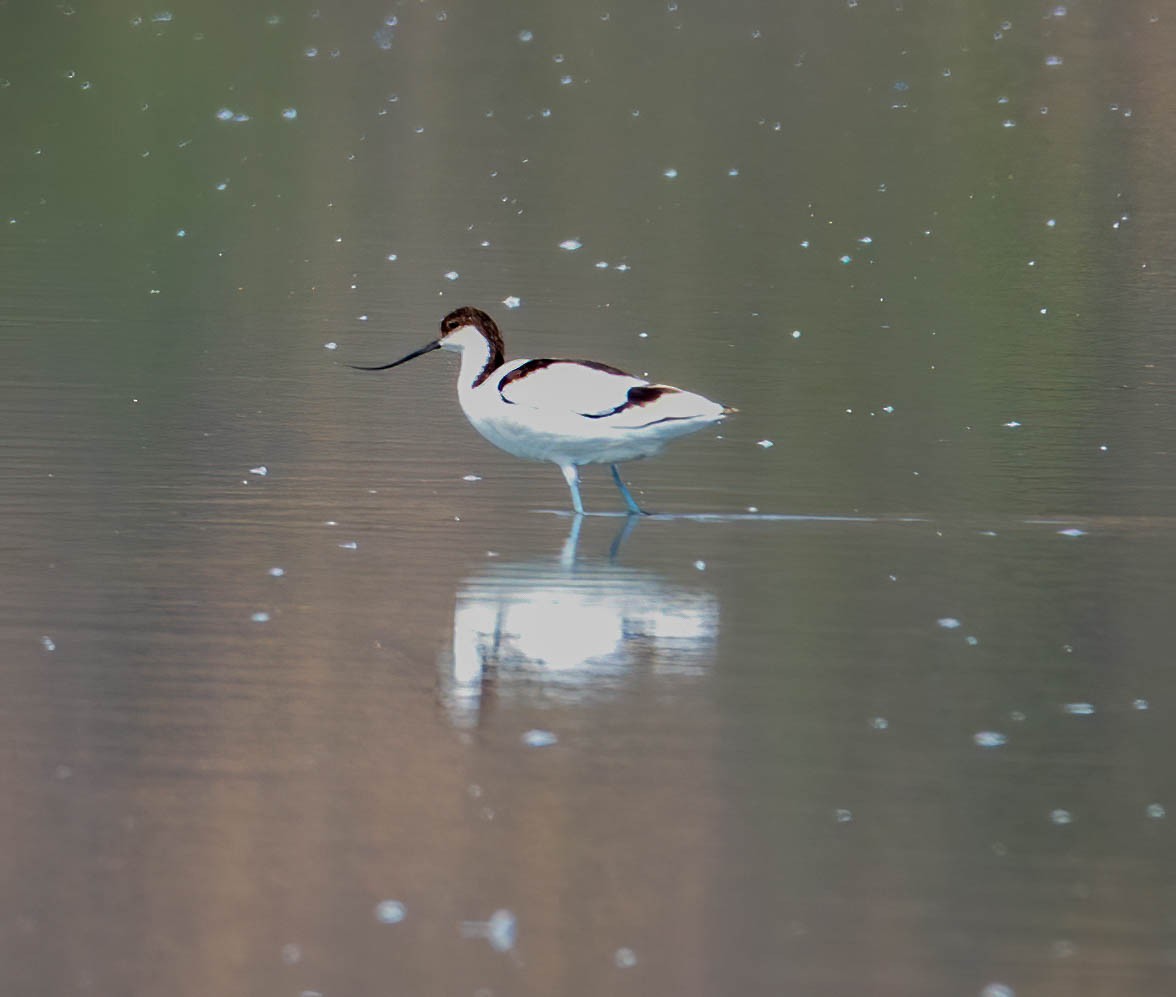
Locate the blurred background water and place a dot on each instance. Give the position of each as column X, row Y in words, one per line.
column 306, row 691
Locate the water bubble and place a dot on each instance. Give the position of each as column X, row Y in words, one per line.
column 525, row 35
column 1073, row 531
column 290, row 113
column 383, row 37
column 1079, row 709
column 1061, row 817
column 310, row 52
column 624, row 958
column 511, row 301
column 948, row 622
column 997, row 990
column 842, row 816
column 846, row 259
column 1053, row 60
column 670, row 173
column 452, row 275
column 1139, row 704
column 766, row 444
column 260, row 470
column 48, row 643
column 990, row 739
column 260, row 617
column 277, row 572
column 224, row 114
column 700, row 565
column 1156, row 811
column 879, row 723
column 571, row 245
column 539, row 738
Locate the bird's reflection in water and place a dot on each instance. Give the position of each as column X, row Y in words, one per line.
column 569, row 629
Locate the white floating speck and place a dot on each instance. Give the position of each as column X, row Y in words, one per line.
column 700, row 565
column 1060, row 816
column 571, row 245
column 1156, row 811
column 260, row 617
column 1079, row 709
column 1051, row 223
column 349, row 545
column 990, row 739
column 289, row 113
column 624, row 958
column 260, row 470
column 277, row 572
column 471, row 477
column 766, row 444
column 601, row 264
column 670, row 173
column 842, row 816
column 181, row 233
column 511, row 301
column 291, row 954
column 888, row 409
column 1012, row 425
column 733, row 171
column 971, row 641
column 865, row 240
column 48, row 643
column 879, row 723
column 331, row 345
column 452, row 275
column 500, row 930
column 525, row 35
column 804, row 244
column 1053, row 60
column 948, row 622
column 998, row 990
column 390, row 912
column 846, row 259
column 1139, row 704
column 623, row 267
column 539, row 738
column 1073, row 531
column 392, row 257
column 796, row 334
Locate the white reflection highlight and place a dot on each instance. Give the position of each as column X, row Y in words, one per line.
column 566, row 631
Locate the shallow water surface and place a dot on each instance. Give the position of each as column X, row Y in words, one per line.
column 309, row 691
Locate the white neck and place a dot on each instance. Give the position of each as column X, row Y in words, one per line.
column 475, row 354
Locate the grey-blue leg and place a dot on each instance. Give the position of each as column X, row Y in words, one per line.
column 630, row 502
column 572, row 477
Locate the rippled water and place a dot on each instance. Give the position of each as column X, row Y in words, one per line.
column 307, row 690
